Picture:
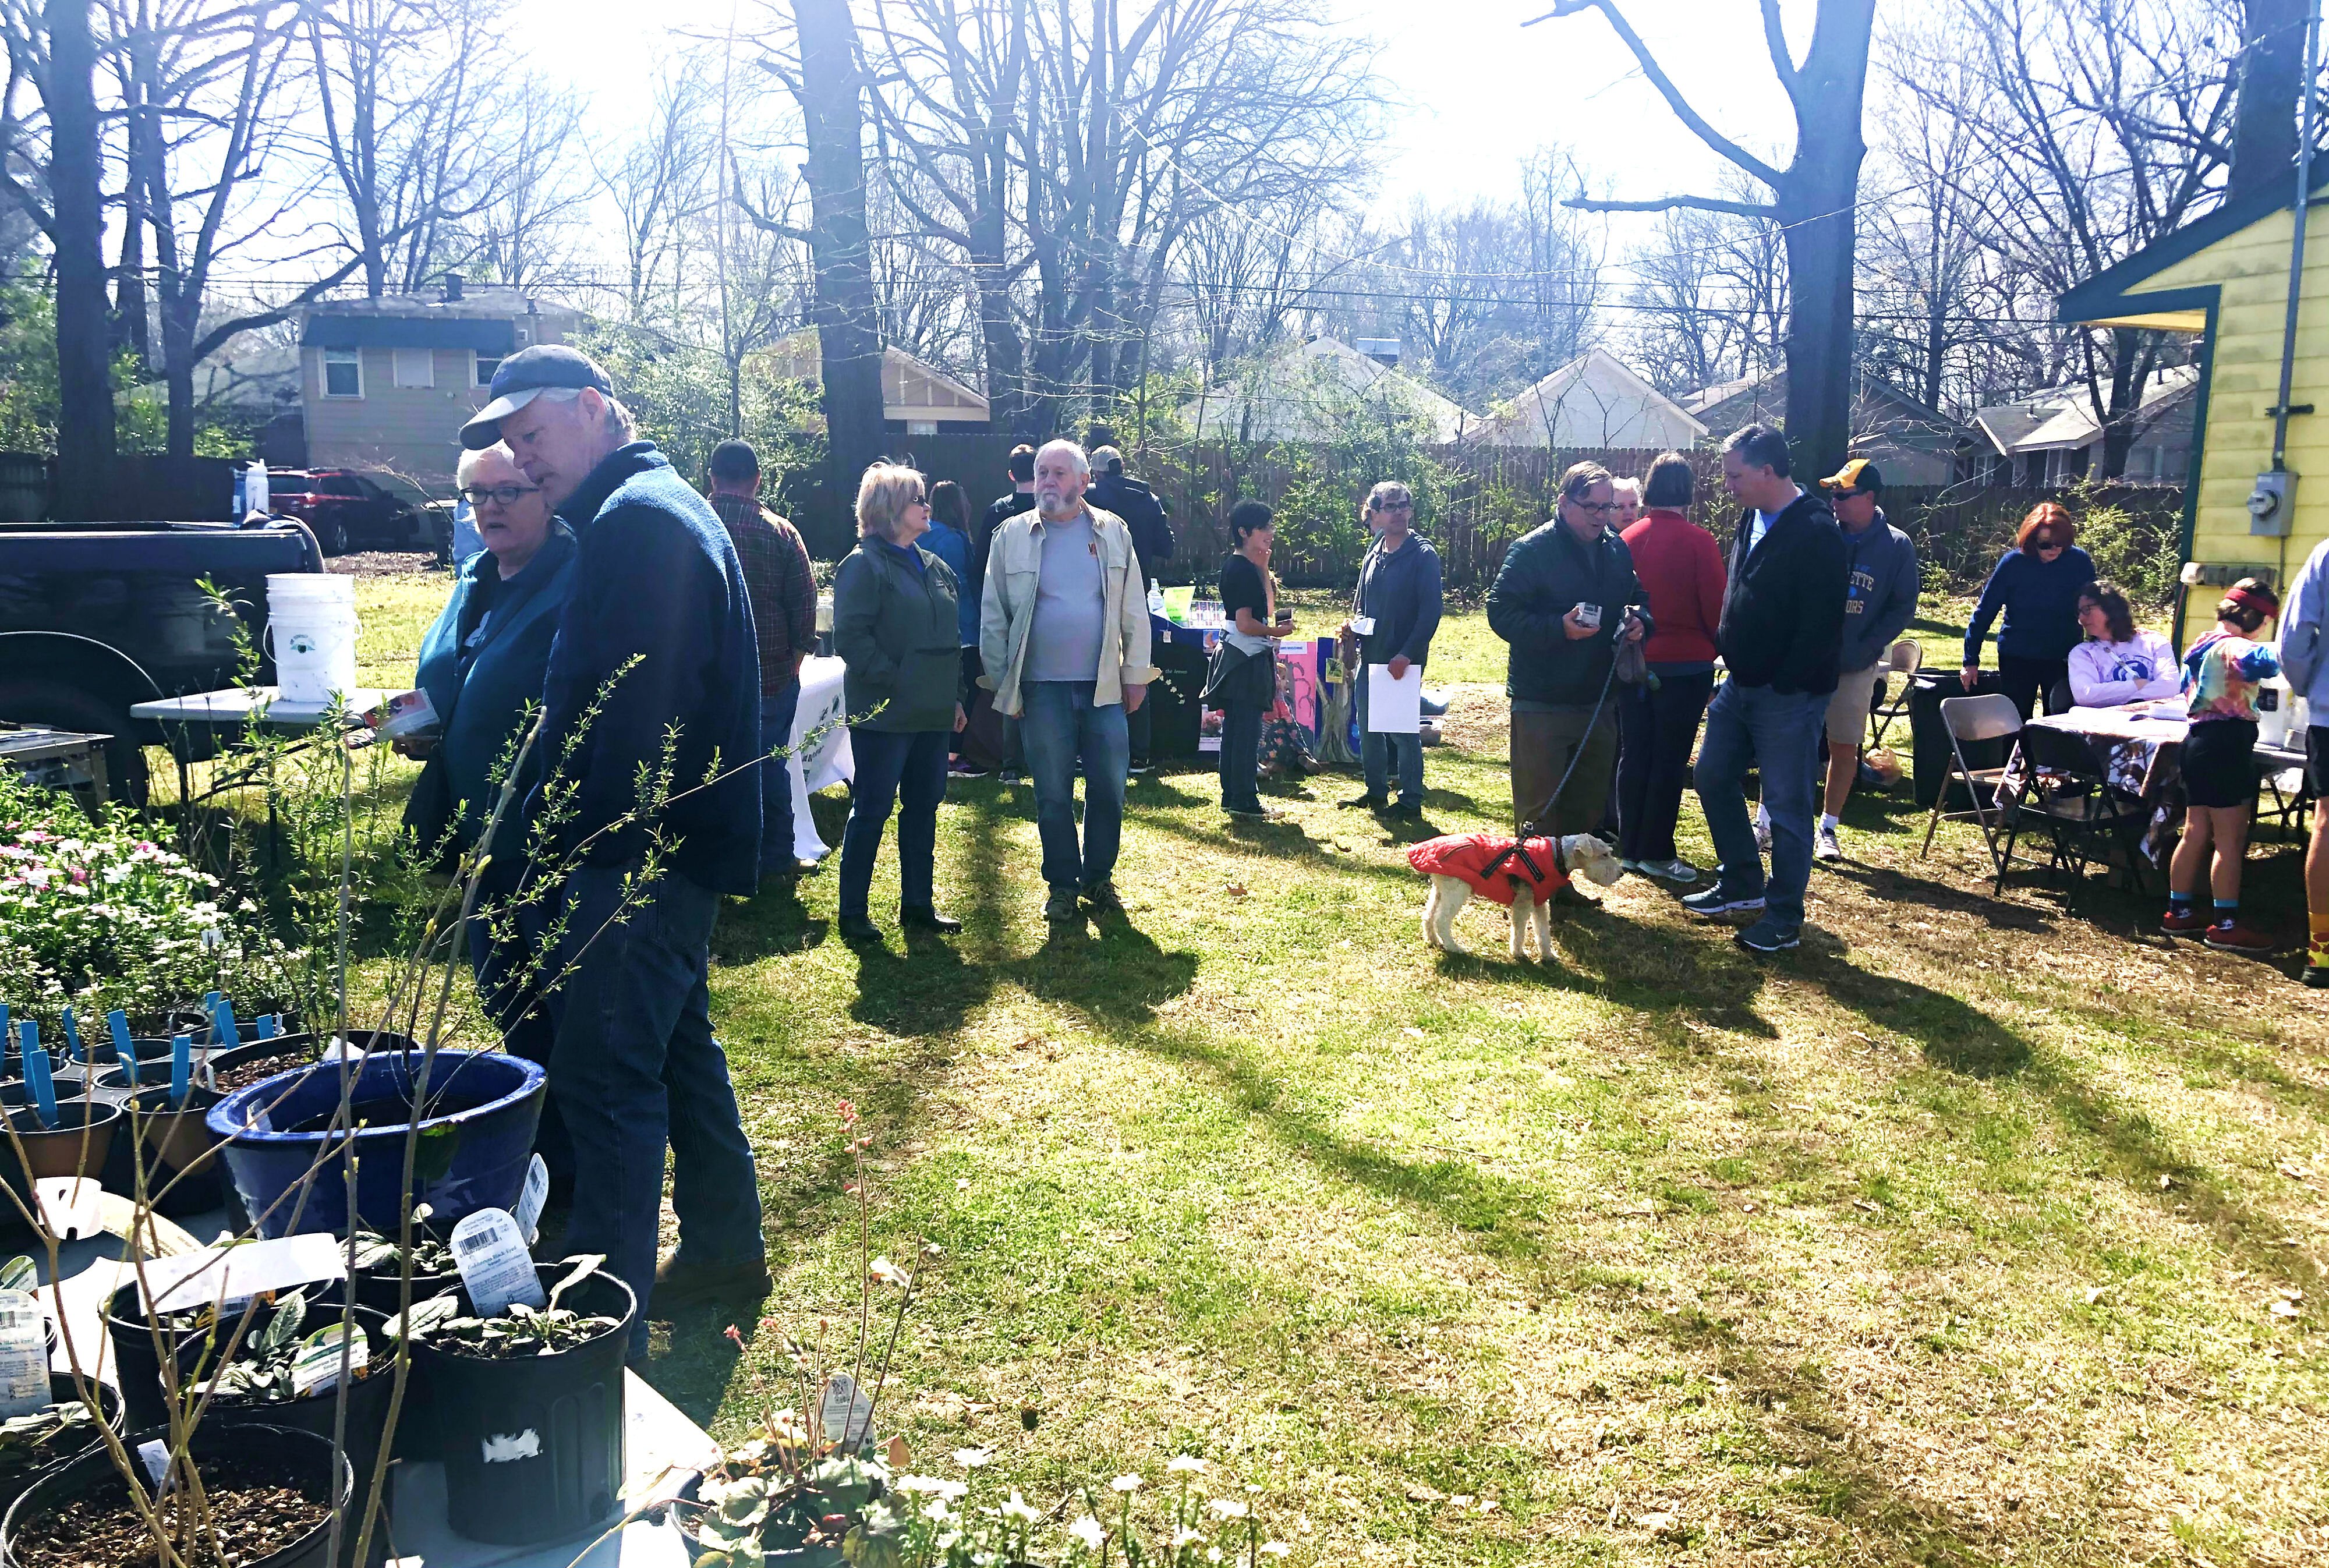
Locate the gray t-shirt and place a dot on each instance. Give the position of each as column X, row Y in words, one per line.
column 1063, row 643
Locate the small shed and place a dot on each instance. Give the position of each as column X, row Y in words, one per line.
column 918, row 399
column 1592, row 402
column 2223, row 281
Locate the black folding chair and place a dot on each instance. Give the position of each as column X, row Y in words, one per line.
column 2067, row 794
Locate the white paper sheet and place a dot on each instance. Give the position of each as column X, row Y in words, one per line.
column 1394, row 706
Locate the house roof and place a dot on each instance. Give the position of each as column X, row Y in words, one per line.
column 2114, row 296
column 911, row 389
column 2063, row 418
column 1722, row 391
column 1540, row 409
column 1274, row 399
column 484, row 319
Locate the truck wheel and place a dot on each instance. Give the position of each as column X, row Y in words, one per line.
column 59, row 706
column 334, row 540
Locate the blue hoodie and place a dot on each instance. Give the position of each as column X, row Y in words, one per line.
column 2304, row 635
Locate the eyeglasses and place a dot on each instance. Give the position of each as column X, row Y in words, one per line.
column 500, row 495
column 1393, row 506
column 1602, row 507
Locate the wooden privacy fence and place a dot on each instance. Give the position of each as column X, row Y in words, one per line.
column 1474, row 501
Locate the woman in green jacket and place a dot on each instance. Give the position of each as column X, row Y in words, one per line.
column 896, row 628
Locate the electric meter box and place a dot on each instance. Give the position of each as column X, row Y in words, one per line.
column 2272, row 503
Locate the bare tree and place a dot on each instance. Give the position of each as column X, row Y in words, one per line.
column 659, row 182
column 1709, row 300
column 1812, row 200
column 523, row 229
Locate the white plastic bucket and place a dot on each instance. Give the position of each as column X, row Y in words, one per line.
column 311, row 629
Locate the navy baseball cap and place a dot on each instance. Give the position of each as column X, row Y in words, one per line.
column 527, row 375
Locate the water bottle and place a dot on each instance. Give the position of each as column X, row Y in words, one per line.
column 1155, row 597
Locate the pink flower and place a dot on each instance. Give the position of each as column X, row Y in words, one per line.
column 734, row 1338
column 848, row 1114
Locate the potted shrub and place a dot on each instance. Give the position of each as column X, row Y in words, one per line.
column 55, row 1432
column 252, row 1496
column 529, row 1405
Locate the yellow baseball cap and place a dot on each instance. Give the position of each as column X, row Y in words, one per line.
column 1859, row 474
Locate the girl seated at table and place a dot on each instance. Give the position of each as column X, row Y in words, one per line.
column 2221, row 672
column 2118, row 663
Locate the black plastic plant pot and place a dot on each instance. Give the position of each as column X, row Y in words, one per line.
column 264, row 1455
column 172, row 1139
column 77, row 1145
column 79, row 1440
column 533, row 1446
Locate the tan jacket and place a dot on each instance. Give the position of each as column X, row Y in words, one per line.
column 1008, row 610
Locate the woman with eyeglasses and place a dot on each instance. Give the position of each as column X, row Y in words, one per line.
column 482, row 665
column 2119, row 662
column 2036, row 585
column 895, row 625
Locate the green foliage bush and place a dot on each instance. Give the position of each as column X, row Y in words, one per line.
column 679, row 392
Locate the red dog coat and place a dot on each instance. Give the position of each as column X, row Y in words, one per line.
column 1466, row 857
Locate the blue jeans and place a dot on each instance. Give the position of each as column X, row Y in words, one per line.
column 635, row 1068
column 1774, row 731
column 1377, row 752
column 907, row 766
column 1061, row 730
column 1240, row 757
column 777, row 779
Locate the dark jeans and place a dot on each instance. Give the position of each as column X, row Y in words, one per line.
column 1061, row 731
column 2028, row 681
column 1240, row 756
column 1377, row 753
column 907, row 766
column 777, row 779
column 1774, row 732
column 1655, row 730
column 635, row 1068
column 509, row 985
column 1542, row 746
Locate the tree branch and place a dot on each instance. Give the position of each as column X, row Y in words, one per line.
column 1775, row 39
column 1671, row 203
column 1665, row 84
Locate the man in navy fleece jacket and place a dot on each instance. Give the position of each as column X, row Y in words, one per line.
column 659, row 609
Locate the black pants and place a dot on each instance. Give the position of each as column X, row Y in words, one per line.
column 1656, row 730
column 1137, row 731
column 1240, row 755
column 2029, row 681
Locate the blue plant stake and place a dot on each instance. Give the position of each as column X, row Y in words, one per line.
column 72, row 1036
column 4, row 1035
column 36, row 1072
column 123, row 1052
column 267, row 1025
column 182, row 1064
column 223, row 1023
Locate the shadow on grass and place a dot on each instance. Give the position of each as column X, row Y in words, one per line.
column 1953, row 1034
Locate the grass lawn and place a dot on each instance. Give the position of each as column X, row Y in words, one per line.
column 1972, row 1233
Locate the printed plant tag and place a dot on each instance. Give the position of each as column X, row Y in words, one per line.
column 845, row 1412
column 229, row 1274
column 528, row 1213
column 317, row 1366
column 69, row 1206
column 24, row 1355
column 496, row 1267
column 156, row 1455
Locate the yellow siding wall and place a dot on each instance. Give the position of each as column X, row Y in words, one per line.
column 2252, row 270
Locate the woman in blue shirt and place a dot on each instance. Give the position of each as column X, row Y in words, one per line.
column 2037, row 585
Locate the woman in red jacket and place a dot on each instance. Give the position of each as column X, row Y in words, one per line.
column 1682, row 576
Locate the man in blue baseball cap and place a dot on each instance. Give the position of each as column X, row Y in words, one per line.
column 659, row 634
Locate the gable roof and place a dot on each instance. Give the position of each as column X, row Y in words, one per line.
column 911, row 389
column 2063, row 418
column 485, row 319
column 1596, row 384
column 1275, row 399
column 2115, row 296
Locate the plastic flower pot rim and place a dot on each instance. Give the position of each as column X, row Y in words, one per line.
column 231, row 1118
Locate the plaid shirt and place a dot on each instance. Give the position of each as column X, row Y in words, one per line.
column 778, row 578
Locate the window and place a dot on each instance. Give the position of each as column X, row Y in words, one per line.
column 921, row 427
column 416, row 367
column 486, row 364
column 342, row 373
column 345, row 485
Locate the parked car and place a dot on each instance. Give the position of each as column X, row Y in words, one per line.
column 97, row 615
column 356, row 509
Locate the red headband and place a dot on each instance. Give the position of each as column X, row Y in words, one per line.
column 2263, row 603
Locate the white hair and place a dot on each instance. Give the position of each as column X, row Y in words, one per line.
column 621, row 422
column 466, row 469
column 1633, row 485
column 1083, row 460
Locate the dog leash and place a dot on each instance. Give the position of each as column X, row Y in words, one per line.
column 1531, row 831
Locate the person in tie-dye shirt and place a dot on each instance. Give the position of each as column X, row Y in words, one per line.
column 2221, row 671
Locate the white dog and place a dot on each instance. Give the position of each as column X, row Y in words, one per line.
column 1459, row 865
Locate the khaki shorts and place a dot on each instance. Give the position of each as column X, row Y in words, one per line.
column 1848, row 710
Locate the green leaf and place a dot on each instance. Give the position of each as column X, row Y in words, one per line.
column 282, row 1330
column 846, row 1482
column 585, row 1265
column 424, row 1317
column 433, row 1155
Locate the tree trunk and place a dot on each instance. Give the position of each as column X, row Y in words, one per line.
column 848, row 320
column 1816, row 203
column 2264, row 125
column 85, row 432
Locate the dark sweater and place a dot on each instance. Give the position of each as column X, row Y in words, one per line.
column 1400, row 589
column 1143, row 515
column 655, row 579
column 1545, row 575
column 895, row 626
column 1783, row 612
column 2040, row 604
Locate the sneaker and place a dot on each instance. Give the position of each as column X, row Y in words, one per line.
column 1406, row 811
column 1825, row 846
column 1101, row 898
column 959, row 768
column 1060, row 908
column 1255, row 813
column 2232, row 937
column 1366, row 803
column 2317, row 967
column 1675, row 870
column 1769, row 936
column 1639, row 867
column 1138, row 768
column 1720, row 900
column 2182, row 923
column 1763, row 833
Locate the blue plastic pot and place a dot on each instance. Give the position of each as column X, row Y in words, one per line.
column 476, row 1140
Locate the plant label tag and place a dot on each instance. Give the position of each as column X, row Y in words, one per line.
column 317, row 1366
column 116, row 1022
column 157, row 1456
column 69, row 1206
column 1364, row 624
column 496, row 1267
column 528, row 1213
column 845, row 1412
column 228, row 1274
column 24, row 1355
column 72, row 1035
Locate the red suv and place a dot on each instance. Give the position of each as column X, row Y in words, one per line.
column 349, row 509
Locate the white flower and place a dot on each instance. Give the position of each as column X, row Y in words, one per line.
column 1185, row 1536
column 1185, row 1465
column 1088, row 1532
column 1212, row 1553
column 1227, row 1508
column 1020, row 1510
column 971, row 1458
column 1125, row 1484
column 933, row 1486
column 885, row 1272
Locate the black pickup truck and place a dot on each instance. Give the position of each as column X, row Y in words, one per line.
column 97, row 615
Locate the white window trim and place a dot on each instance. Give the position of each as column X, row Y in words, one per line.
column 477, row 377
column 324, row 375
column 428, row 362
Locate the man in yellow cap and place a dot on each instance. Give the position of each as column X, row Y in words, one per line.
column 1880, row 600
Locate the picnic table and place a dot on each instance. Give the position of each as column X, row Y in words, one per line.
column 2136, row 747
column 198, row 723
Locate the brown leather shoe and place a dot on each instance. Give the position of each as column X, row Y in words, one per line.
column 680, row 1283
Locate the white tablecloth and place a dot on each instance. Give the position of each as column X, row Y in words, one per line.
column 814, row 766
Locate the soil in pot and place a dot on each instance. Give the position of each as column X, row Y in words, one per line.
column 533, row 1442
column 270, row 1495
